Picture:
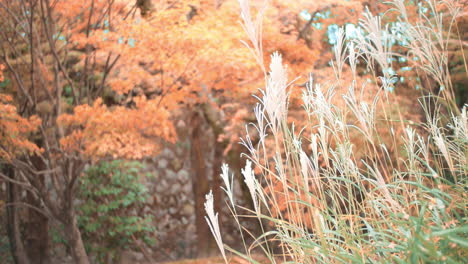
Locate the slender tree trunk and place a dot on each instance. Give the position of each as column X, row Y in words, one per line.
column 36, row 237
column 200, row 185
column 74, row 238
column 215, row 120
column 13, row 220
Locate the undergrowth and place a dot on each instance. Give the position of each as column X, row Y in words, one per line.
column 399, row 196
column 112, row 215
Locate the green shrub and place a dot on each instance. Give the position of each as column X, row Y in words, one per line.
column 110, row 213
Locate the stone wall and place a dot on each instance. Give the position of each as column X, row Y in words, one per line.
column 172, row 201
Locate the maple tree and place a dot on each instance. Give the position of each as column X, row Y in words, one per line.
column 43, row 141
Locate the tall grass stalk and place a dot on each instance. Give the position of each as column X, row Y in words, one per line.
column 320, row 196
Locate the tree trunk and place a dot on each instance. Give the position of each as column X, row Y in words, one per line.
column 13, row 220
column 36, row 235
column 215, row 119
column 145, row 7
column 74, row 239
column 200, row 185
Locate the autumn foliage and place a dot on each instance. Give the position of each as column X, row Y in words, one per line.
column 16, row 131
column 163, row 62
column 121, row 132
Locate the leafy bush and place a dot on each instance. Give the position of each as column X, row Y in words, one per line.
column 320, row 197
column 111, row 216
